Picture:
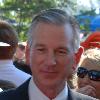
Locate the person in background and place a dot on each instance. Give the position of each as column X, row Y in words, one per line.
column 19, row 59
column 53, row 46
column 9, row 42
column 5, row 85
column 92, row 41
column 89, row 73
column 20, row 53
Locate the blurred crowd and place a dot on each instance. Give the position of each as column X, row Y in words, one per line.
column 86, row 80
column 15, row 70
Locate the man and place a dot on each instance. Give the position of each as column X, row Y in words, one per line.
column 52, row 50
column 8, row 45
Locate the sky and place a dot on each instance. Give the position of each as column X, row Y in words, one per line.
column 0, row 0
column 89, row 3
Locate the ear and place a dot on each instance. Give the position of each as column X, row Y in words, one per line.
column 27, row 54
column 78, row 54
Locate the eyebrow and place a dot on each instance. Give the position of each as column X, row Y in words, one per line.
column 39, row 45
column 63, row 48
column 60, row 47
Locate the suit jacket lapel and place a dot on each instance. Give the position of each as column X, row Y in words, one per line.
column 22, row 92
column 71, row 94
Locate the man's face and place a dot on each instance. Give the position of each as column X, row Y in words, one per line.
column 51, row 54
column 20, row 53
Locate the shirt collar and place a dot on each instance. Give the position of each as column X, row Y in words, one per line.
column 4, row 62
column 1, row 90
column 36, row 94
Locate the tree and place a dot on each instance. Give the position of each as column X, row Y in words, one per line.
column 20, row 12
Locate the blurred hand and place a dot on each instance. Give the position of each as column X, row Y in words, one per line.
column 87, row 90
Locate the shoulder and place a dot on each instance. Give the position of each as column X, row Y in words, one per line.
column 21, row 74
column 7, row 95
column 20, row 93
column 80, row 96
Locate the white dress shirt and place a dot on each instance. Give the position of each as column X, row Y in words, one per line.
column 1, row 90
column 35, row 94
column 9, row 72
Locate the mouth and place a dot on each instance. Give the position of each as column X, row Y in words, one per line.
column 49, row 73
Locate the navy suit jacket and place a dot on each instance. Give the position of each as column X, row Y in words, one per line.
column 21, row 93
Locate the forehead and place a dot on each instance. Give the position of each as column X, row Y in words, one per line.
column 52, row 32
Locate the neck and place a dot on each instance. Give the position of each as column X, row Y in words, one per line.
column 98, row 97
column 51, row 91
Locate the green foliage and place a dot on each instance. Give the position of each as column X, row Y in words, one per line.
column 88, row 12
column 20, row 12
column 86, row 26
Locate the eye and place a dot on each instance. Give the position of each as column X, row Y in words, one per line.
column 61, row 52
column 40, row 50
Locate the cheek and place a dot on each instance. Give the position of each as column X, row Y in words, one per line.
column 96, row 85
column 32, row 59
column 35, row 59
column 63, row 64
column 68, row 60
column 34, row 63
column 80, row 82
column 66, row 65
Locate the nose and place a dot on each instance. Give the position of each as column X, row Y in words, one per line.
column 86, row 80
column 51, row 59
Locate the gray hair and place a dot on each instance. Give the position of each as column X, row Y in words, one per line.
column 57, row 17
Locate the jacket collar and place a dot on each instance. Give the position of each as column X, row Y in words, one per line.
column 22, row 92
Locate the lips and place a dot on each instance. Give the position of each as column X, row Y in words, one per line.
column 48, row 72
